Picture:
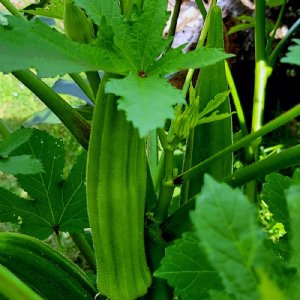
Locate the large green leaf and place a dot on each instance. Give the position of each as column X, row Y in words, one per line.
column 141, row 42
column 25, row 44
column 174, row 60
column 273, row 193
column 53, row 9
column 226, row 225
column 293, row 56
column 147, row 101
column 293, row 203
column 187, row 269
column 57, row 205
column 21, row 164
column 97, row 9
column 14, row 140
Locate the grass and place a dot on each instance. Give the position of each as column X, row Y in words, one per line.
column 17, row 103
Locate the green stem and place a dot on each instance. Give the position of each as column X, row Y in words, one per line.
column 166, row 190
column 85, row 249
column 284, row 159
column 272, row 125
column 94, row 81
column 4, row 130
column 175, row 15
column 75, row 123
column 159, row 174
column 11, row 8
column 273, row 33
column 155, row 246
column 83, row 86
column 261, row 67
column 201, row 8
column 201, row 41
column 59, row 246
column 278, row 49
column 236, row 100
column 179, row 222
column 152, row 152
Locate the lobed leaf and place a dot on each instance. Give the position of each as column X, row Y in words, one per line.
column 148, row 101
column 273, row 193
column 53, row 9
column 293, row 55
column 187, row 269
column 174, row 60
column 293, row 203
column 97, row 9
column 21, row 164
column 226, row 225
column 15, row 140
column 57, row 205
column 50, row 52
column 141, row 41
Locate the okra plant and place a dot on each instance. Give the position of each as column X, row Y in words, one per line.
column 153, row 201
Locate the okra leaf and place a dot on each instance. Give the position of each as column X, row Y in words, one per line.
column 214, row 104
column 225, row 223
column 174, row 60
column 273, row 193
column 293, row 55
column 15, row 140
column 141, row 41
column 97, row 9
column 53, row 9
column 186, row 268
column 50, row 52
column 55, row 204
column 293, row 203
column 273, row 3
column 22, row 164
column 144, row 97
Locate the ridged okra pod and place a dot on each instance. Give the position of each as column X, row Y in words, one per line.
column 116, row 188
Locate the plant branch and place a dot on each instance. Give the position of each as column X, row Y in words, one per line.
column 94, row 81
column 201, row 8
column 244, row 142
column 75, row 123
column 273, row 33
column 83, row 86
column 14, row 11
column 236, row 100
column 166, row 190
column 179, row 222
column 85, row 249
column 174, row 18
column 201, row 41
column 284, row 159
column 261, row 67
column 278, row 49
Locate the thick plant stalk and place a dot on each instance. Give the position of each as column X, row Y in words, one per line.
column 207, row 139
column 116, row 190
